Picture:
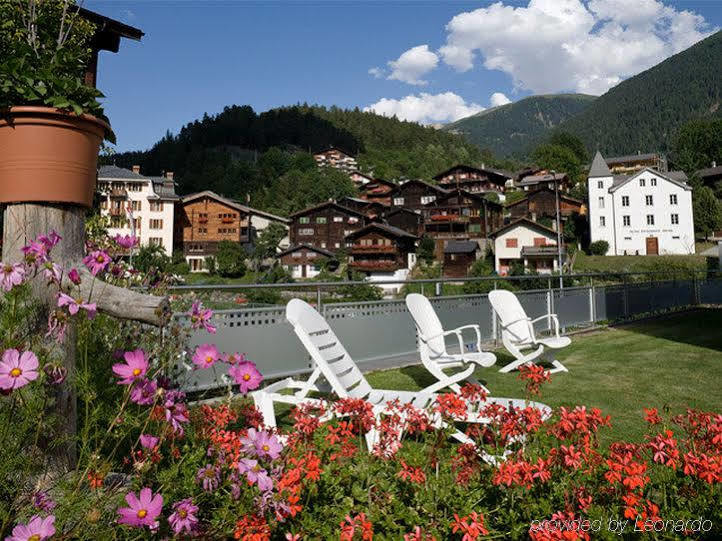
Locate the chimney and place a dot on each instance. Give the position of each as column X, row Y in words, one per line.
column 136, row 169
column 169, row 175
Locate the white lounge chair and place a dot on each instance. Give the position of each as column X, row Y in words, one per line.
column 517, row 333
column 432, row 346
column 335, row 365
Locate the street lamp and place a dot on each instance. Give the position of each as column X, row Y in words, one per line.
column 559, row 228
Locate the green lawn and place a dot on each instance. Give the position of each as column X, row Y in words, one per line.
column 638, row 263
column 673, row 361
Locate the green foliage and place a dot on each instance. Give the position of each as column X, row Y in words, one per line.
column 483, row 267
column 230, row 259
column 560, row 159
column 359, row 292
column 152, row 258
column 570, row 141
column 210, row 265
column 599, row 247
column 425, row 249
column 515, row 128
column 267, row 242
column 706, row 210
column 644, row 112
column 44, row 48
column 697, row 144
column 513, row 196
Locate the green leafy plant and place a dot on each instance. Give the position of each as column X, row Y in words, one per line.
column 599, row 247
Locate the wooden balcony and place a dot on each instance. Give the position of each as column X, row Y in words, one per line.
column 449, row 218
column 227, row 220
column 372, row 249
column 116, row 212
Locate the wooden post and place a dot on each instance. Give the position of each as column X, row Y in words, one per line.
column 23, row 222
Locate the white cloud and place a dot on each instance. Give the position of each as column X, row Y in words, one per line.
column 413, row 64
column 555, row 45
column 426, row 108
column 498, row 98
column 376, row 72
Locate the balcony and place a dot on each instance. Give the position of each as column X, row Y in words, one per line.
column 369, row 265
column 373, row 249
column 118, row 193
column 227, row 220
column 116, row 212
column 449, row 218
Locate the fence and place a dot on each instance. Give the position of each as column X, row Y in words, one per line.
column 383, row 330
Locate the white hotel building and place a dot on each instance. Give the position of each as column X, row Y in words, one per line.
column 137, row 204
column 647, row 213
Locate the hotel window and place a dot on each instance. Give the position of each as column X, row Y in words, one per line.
column 306, row 231
column 649, row 200
column 601, row 202
column 625, row 200
column 135, row 205
column 650, row 219
column 675, row 219
column 653, row 182
column 320, row 219
column 398, row 201
column 641, row 183
column 600, row 184
column 602, row 221
column 511, row 243
column 304, row 220
column 426, row 199
column 156, row 224
column 137, row 223
column 626, row 220
column 156, row 206
column 673, row 199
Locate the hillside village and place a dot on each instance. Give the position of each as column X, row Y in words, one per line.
column 636, row 206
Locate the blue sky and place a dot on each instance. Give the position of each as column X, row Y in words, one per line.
column 425, row 61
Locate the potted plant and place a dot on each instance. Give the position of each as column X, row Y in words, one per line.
column 51, row 124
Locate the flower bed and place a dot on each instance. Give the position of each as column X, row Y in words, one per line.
column 149, row 464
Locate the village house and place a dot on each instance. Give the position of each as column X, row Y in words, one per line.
column 528, row 242
column 303, row 260
column 625, row 165
column 473, row 179
column 416, row 194
column 545, row 179
column 460, row 215
column 409, row 220
column 372, row 209
column 325, row 226
column 648, row 213
column 711, row 176
column 542, row 204
column 379, row 190
column 459, row 256
column 205, row 219
column 336, row 158
column 138, row 205
column 382, row 252
column 359, row 178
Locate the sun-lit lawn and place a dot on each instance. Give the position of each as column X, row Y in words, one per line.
column 673, row 361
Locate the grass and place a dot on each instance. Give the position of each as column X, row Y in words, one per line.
column 638, row 263
column 671, row 362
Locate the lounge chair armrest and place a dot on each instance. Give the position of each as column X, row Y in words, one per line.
column 455, row 378
column 510, row 323
column 459, row 336
column 551, row 317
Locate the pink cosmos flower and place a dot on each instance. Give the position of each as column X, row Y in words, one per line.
column 35, row 252
column 135, row 367
column 261, row 443
column 183, row 517
column 96, row 262
column 42, row 501
column 148, row 441
column 255, row 474
column 50, row 240
column 205, row 356
column 126, row 241
column 53, row 272
column 176, row 412
column 74, row 276
column 17, row 370
column 57, row 323
column 141, row 511
column 143, row 392
column 234, row 358
column 210, row 477
column 74, row 305
column 37, row 529
column 201, row 317
column 246, row 375
column 11, row 275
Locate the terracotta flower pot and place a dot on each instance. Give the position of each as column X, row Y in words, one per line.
column 48, row 155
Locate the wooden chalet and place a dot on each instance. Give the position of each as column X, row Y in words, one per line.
column 379, row 190
column 303, row 260
column 380, row 248
column 359, row 178
column 473, row 179
column 544, row 179
column 337, row 158
column 459, row 256
column 409, row 220
column 372, row 209
column 460, row 215
column 325, row 226
column 542, row 204
column 416, row 194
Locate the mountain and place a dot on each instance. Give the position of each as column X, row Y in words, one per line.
column 513, row 129
column 644, row 112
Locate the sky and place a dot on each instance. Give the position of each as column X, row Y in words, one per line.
column 425, row 61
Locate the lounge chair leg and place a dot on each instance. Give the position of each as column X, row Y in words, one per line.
column 558, row 367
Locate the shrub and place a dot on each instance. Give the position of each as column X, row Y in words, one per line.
column 152, row 258
column 425, row 250
column 599, row 247
column 230, row 259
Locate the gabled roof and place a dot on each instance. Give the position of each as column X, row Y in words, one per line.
column 710, row 171
column 485, row 170
column 357, row 172
column 630, row 158
column 522, row 222
column 390, row 229
column 113, row 172
column 324, row 205
column 234, row 204
column 599, row 167
column 359, row 201
column 370, row 185
column 306, row 247
column 164, row 188
column 434, row 187
column 681, row 176
column 461, row 247
column 621, row 180
column 536, row 179
column 540, row 191
column 332, row 147
column 452, row 192
column 395, row 210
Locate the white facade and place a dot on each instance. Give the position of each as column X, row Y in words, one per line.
column 135, row 207
column 643, row 214
column 510, row 240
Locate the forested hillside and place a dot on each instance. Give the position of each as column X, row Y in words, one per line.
column 265, row 158
column 645, row 111
column 513, row 129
